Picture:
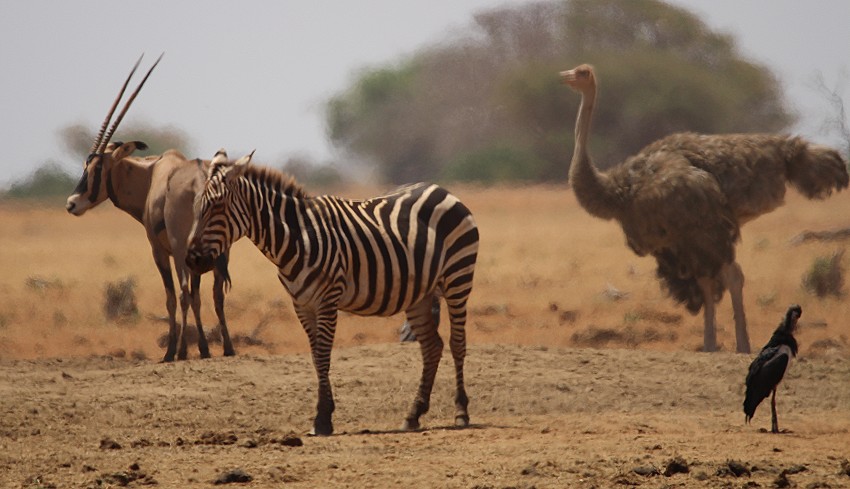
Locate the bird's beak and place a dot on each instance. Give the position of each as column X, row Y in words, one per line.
column 568, row 76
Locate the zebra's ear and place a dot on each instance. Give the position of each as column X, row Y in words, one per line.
column 239, row 167
column 218, row 162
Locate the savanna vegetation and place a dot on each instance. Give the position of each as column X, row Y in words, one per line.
column 488, row 107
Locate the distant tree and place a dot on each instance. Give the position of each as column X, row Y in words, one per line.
column 311, row 173
column 496, row 92
column 77, row 138
column 49, row 181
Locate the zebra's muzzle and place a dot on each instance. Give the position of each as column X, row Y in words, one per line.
column 200, row 263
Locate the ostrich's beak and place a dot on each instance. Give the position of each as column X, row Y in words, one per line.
column 568, row 76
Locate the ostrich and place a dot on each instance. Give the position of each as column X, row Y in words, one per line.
column 683, row 199
column 770, row 366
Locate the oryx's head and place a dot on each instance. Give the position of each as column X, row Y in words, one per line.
column 94, row 185
column 218, row 222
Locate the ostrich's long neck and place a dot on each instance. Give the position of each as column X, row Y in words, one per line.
column 593, row 189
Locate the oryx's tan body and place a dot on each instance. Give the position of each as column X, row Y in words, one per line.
column 158, row 191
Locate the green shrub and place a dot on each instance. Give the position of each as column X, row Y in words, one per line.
column 47, row 182
column 495, row 164
column 825, row 276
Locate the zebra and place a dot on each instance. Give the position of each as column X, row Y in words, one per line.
column 374, row 257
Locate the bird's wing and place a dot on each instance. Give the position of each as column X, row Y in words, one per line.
column 765, row 373
column 764, row 356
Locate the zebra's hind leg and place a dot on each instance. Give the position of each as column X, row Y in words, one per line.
column 457, row 343
column 431, row 345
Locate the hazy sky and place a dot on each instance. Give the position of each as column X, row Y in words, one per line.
column 255, row 74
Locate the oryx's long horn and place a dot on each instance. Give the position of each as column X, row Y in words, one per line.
column 126, row 106
column 99, row 137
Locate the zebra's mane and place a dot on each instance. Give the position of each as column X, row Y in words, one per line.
column 282, row 182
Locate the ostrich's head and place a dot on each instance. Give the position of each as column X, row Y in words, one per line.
column 579, row 78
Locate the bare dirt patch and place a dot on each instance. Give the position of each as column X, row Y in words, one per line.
column 540, row 418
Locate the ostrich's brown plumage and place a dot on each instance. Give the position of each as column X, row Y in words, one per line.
column 683, row 198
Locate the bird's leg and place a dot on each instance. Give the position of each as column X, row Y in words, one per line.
column 710, row 329
column 733, row 277
column 774, row 422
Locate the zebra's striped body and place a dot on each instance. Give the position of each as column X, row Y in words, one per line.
column 376, row 257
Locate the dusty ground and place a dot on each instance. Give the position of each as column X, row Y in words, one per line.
column 580, row 370
column 541, row 418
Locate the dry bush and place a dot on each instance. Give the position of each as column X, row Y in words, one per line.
column 41, row 284
column 631, row 337
column 119, row 300
column 825, row 276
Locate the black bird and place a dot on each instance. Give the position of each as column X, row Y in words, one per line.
column 770, row 366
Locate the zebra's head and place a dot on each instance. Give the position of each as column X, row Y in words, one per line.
column 95, row 184
column 218, row 222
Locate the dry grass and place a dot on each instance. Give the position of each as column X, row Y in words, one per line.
column 544, row 268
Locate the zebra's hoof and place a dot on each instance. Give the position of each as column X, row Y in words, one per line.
column 313, row 432
column 410, row 425
column 462, row 421
column 323, row 429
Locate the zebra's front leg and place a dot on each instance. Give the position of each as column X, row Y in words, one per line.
column 218, row 298
column 320, row 328
column 195, row 296
column 425, row 329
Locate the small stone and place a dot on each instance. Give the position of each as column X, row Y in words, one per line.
column 795, row 469
column 646, row 470
column 109, row 444
column 676, row 465
column 231, row 476
column 737, row 468
column 781, row 481
column 291, row 440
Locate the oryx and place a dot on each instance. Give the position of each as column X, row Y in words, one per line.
column 157, row 191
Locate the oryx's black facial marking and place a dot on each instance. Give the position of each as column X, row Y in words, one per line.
column 83, row 184
column 98, row 170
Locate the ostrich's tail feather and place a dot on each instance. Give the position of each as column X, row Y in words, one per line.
column 815, row 171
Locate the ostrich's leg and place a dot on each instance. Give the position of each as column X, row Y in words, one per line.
column 774, row 422
column 733, row 276
column 710, row 329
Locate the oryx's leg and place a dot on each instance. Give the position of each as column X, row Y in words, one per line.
column 203, row 347
column 185, row 301
column 218, row 298
column 733, row 277
column 456, row 301
column 425, row 329
column 320, row 327
column 163, row 264
column 706, row 284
